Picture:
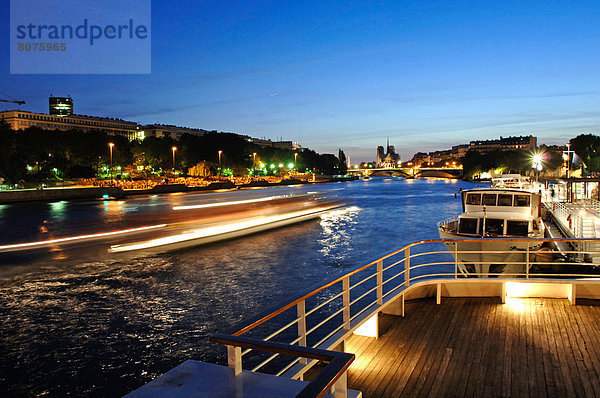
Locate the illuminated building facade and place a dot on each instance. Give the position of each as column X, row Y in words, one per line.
column 388, row 159
column 60, row 106
column 521, row 143
column 21, row 120
column 167, row 130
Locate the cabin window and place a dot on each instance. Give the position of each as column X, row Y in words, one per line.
column 489, row 199
column 468, row 226
column 517, row 228
column 522, row 200
column 505, row 200
column 474, row 199
column 494, row 226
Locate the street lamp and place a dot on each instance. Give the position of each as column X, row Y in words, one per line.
column 220, row 153
column 110, row 147
column 536, row 163
column 295, row 159
column 174, row 149
column 567, row 157
column 253, row 164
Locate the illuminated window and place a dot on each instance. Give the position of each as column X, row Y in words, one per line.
column 494, row 226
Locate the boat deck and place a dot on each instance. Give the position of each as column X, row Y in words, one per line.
column 478, row 347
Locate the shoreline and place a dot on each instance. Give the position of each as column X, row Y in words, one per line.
column 66, row 193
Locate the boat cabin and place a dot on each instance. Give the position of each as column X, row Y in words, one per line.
column 500, row 212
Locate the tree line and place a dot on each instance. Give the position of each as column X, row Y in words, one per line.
column 586, row 146
column 35, row 154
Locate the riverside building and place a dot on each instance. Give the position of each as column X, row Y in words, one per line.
column 21, row 120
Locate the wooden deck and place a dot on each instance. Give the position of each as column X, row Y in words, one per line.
column 482, row 348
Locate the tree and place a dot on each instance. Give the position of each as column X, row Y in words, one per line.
column 587, row 147
column 202, row 169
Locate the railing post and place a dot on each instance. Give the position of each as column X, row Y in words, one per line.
column 455, row 260
column 301, row 310
column 346, row 297
column 234, row 359
column 527, row 264
column 407, row 267
column 340, row 387
column 380, row 282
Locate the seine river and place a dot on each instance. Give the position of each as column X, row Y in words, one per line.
column 83, row 323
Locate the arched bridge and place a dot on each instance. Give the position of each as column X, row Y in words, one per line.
column 410, row 172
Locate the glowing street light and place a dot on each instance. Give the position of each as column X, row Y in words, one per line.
column 253, row 164
column 536, row 163
column 295, row 159
column 110, row 147
column 220, row 153
column 567, row 158
column 174, row 149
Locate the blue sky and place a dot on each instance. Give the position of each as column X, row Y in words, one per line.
column 344, row 74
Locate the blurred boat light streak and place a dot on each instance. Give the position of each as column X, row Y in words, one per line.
column 75, row 239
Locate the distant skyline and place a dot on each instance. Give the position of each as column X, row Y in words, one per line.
column 342, row 74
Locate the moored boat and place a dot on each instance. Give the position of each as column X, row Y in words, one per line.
column 494, row 213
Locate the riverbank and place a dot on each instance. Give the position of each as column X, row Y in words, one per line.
column 99, row 192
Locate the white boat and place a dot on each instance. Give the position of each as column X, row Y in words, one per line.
column 516, row 181
column 494, row 213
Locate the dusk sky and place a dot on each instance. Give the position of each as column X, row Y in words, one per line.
column 345, row 74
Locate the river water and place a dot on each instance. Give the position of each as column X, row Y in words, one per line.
column 82, row 323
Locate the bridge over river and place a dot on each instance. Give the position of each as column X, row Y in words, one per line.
column 410, row 172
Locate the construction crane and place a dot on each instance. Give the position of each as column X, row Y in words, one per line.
column 13, row 102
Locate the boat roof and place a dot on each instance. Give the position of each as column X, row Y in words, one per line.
column 497, row 190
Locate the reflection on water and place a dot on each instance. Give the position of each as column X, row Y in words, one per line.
column 96, row 326
column 337, row 226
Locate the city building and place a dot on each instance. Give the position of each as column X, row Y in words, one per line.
column 20, row 120
column 60, row 106
column 389, row 158
column 521, row 143
column 286, row 145
column 167, row 130
column 275, row 144
column 458, row 151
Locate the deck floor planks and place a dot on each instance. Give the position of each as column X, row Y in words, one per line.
column 393, row 346
column 550, row 319
column 547, row 358
column 579, row 352
column 476, row 347
column 588, row 351
column 569, row 371
column 401, row 365
column 441, row 359
column 592, row 344
column 392, row 374
column 424, row 358
column 418, row 357
column 381, row 362
column 471, row 353
column 461, row 349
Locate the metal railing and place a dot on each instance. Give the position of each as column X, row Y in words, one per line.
column 572, row 221
column 325, row 315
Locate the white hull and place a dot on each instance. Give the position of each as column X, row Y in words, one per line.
column 490, row 256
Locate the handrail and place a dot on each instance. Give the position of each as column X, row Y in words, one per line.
column 277, row 309
column 339, row 362
column 406, row 265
